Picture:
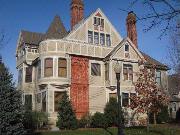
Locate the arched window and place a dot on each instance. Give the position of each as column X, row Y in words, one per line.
column 62, row 67
column 48, row 67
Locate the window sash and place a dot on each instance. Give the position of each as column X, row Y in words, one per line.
column 28, row 77
column 57, row 98
column 108, row 40
column 128, row 72
column 90, row 37
column 107, row 71
column 95, row 69
column 62, row 67
column 125, row 99
column 48, row 67
column 127, row 48
column 96, row 37
column 102, row 39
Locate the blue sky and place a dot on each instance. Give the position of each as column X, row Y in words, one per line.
column 36, row 16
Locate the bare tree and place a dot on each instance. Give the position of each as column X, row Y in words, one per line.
column 162, row 14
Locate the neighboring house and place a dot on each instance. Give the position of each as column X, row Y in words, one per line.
column 80, row 62
column 174, row 91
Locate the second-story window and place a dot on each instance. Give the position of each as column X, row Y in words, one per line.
column 95, row 69
column 128, row 72
column 108, row 40
column 90, row 37
column 96, row 37
column 28, row 77
column 158, row 77
column 102, row 39
column 62, row 67
column 20, row 76
column 48, row 67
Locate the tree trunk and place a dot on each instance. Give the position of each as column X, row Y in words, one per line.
column 148, row 121
column 154, row 116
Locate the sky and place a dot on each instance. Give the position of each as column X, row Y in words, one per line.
column 36, row 16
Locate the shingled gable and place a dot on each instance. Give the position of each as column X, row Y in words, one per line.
column 55, row 31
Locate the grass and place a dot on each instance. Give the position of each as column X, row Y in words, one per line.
column 154, row 130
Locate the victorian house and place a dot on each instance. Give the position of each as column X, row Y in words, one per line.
column 80, row 61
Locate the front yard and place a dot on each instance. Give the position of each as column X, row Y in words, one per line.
column 155, row 130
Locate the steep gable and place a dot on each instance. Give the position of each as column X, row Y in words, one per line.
column 80, row 31
column 56, row 30
column 127, row 53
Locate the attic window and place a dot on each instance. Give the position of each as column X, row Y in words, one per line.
column 126, row 48
column 98, row 21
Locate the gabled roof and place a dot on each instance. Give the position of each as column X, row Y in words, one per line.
column 151, row 61
column 83, row 21
column 55, row 31
column 116, row 48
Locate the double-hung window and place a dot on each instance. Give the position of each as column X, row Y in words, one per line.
column 158, row 77
column 90, row 37
column 96, row 37
column 95, row 69
column 108, row 40
column 125, row 99
column 62, row 67
column 102, row 39
column 128, row 72
column 48, row 67
column 28, row 77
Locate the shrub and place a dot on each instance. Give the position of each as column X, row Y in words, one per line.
column 85, row 121
column 99, row 120
column 34, row 120
column 66, row 115
column 111, row 112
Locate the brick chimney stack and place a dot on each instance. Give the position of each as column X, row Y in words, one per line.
column 131, row 27
column 77, row 12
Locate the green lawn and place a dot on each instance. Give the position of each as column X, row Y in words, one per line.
column 158, row 130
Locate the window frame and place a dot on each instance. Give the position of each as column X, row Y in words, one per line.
column 158, row 77
column 64, row 67
column 128, row 67
column 102, row 38
column 108, row 40
column 45, row 67
column 90, row 37
column 96, row 38
column 125, row 98
column 28, row 74
column 98, row 74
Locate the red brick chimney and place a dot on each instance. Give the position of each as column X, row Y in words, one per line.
column 131, row 27
column 77, row 12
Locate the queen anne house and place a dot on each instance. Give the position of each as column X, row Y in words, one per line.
column 80, row 62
